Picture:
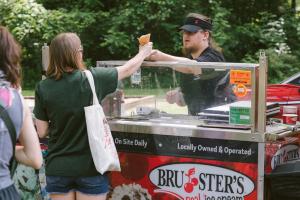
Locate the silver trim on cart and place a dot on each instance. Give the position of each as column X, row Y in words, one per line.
column 148, row 127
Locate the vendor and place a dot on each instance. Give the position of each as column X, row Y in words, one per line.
column 201, row 88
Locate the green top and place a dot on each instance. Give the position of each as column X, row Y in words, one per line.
column 62, row 102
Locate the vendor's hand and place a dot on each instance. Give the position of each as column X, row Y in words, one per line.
column 196, row 71
column 153, row 55
column 171, row 96
column 146, row 49
column 175, row 96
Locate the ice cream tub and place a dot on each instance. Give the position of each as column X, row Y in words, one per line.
column 289, row 118
column 289, row 109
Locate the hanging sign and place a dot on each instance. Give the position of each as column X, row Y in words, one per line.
column 240, row 77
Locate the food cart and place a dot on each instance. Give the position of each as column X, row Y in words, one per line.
column 167, row 156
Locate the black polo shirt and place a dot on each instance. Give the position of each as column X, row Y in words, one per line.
column 199, row 91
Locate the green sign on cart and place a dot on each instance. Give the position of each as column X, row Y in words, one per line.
column 239, row 115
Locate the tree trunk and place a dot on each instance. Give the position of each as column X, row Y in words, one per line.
column 293, row 6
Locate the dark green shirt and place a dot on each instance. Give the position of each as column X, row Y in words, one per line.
column 61, row 103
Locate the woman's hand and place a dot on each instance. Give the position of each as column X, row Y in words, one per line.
column 146, row 50
column 134, row 63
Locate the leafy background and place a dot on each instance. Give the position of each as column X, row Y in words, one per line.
column 109, row 30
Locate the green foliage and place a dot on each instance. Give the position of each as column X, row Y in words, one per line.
column 280, row 65
column 30, row 77
column 33, row 25
column 25, row 19
column 130, row 20
column 292, row 30
column 221, row 24
column 64, row 21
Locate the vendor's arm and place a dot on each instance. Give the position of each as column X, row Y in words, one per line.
column 29, row 153
column 157, row 55
column 208, row 73
column 134, row 64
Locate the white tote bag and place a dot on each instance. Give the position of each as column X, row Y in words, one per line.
column 101, row 142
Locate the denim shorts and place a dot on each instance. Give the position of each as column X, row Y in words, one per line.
column 92, row 185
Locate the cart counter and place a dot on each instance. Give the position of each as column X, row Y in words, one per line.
column 169, row 158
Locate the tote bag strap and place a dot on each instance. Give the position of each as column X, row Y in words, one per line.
column 92, row 85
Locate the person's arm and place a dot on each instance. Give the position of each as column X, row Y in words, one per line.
column 42, row 127
column 29, row 153
column 157, row 55
column 134, row 64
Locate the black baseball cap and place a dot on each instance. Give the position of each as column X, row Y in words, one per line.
column 192, row 24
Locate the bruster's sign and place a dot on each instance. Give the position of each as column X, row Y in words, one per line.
column 194, row 181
